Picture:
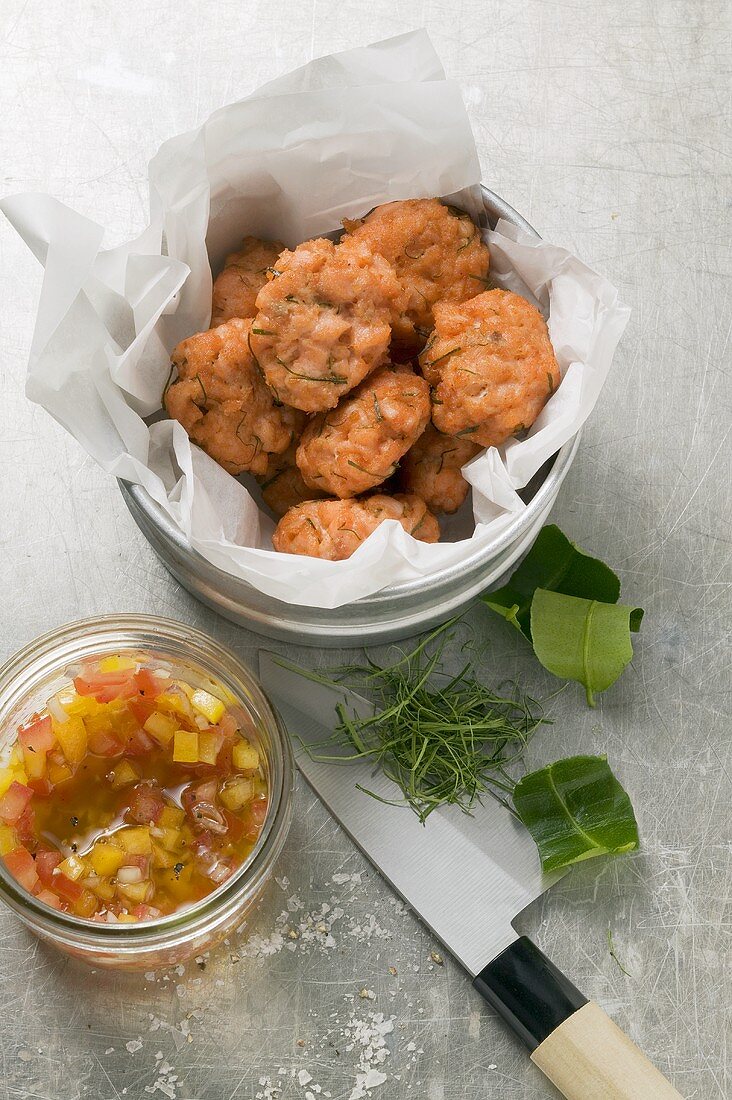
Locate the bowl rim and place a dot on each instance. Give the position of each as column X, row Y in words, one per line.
column 139, row 501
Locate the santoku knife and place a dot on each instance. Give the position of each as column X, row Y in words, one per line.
column 468, row 877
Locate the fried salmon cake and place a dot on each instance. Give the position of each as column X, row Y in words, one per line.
column 432, row 468
column 244, row 274
column 358, row 445
column 334, row 529
column 437, row 253
column 222, row 402
column 322, row 322
column 491, row 366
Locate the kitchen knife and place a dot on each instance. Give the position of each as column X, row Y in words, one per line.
column 467, row 877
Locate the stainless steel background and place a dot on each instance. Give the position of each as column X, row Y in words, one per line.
column 603, row 124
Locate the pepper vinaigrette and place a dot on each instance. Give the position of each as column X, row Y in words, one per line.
column 132, row 795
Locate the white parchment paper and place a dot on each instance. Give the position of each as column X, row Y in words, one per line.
column 328, row 141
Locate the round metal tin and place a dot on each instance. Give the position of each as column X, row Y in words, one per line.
column 396, row 611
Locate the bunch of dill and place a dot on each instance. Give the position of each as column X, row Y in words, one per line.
column 443, row 739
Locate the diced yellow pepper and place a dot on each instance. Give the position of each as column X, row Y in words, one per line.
column 10, row 775
column 35, row 764
column 71, row 736
column 174, row 703
column 185, row 747
column 208, row 747
column 208, row 705
column 8, row 840
column 116, row 663
column 106, row 858
column 135, row 840
column 171, row 817
column 126, row 918
column 236, row 793
column 170, row 839
column 122, row 774
column 178, row 883
column 161, row 727
column 134, row 891
column 104, row 889
column 59, row 773
column 73, row 867
column 163, row 859
column 80, row 706
column 86, row 905
column 122, row 720
column 245, row 757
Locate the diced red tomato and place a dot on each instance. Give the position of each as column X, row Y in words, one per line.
column 49, row 898
column 235, row 826
column 106, row 686
column 253, row 818
column 45, row 863
column 41, row 787
column 146, row 803
column 25, row 826
column 141, row 709
column 67, row 888
column 141, row 861
column 14, row 802
column 146, row 912
column 138, row 744
column 22, row 867
column 37, row 735
column 148, row 685
column 105, row 743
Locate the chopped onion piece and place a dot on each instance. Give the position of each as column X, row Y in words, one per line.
column 56, row 711
column 129, row 874
column 219, row 872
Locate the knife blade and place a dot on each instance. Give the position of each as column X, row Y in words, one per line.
column 467, row 876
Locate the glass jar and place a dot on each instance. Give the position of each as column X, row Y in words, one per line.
column 39, row 671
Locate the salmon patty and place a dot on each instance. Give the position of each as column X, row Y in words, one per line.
column 432, row 469
column 491, row 366
column 322, row 322
column 222, row 402
column 334, row 529
column 358, row 445
column 244, row 274
column 437, row 253
column 282, row 483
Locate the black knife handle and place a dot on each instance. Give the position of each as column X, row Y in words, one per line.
column 571, row 1040
column 528, row 991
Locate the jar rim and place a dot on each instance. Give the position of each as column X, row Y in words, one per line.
column 20, row 673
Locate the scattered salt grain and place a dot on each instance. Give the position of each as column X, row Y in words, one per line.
column 304, row 1078
column 133, row 1046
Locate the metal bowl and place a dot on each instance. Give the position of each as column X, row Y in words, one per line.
column 394, row 612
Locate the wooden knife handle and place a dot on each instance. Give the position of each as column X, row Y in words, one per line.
column 571, row 1039
column 588, row 1057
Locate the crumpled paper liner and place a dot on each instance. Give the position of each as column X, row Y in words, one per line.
column 326, row 142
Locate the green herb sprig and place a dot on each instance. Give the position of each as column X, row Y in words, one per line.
column 443, row 739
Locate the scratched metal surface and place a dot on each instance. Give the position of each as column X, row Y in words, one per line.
column 604, row 125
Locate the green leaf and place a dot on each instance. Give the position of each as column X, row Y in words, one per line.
column 558, row 565
column 576, row 809
column 583, row 640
